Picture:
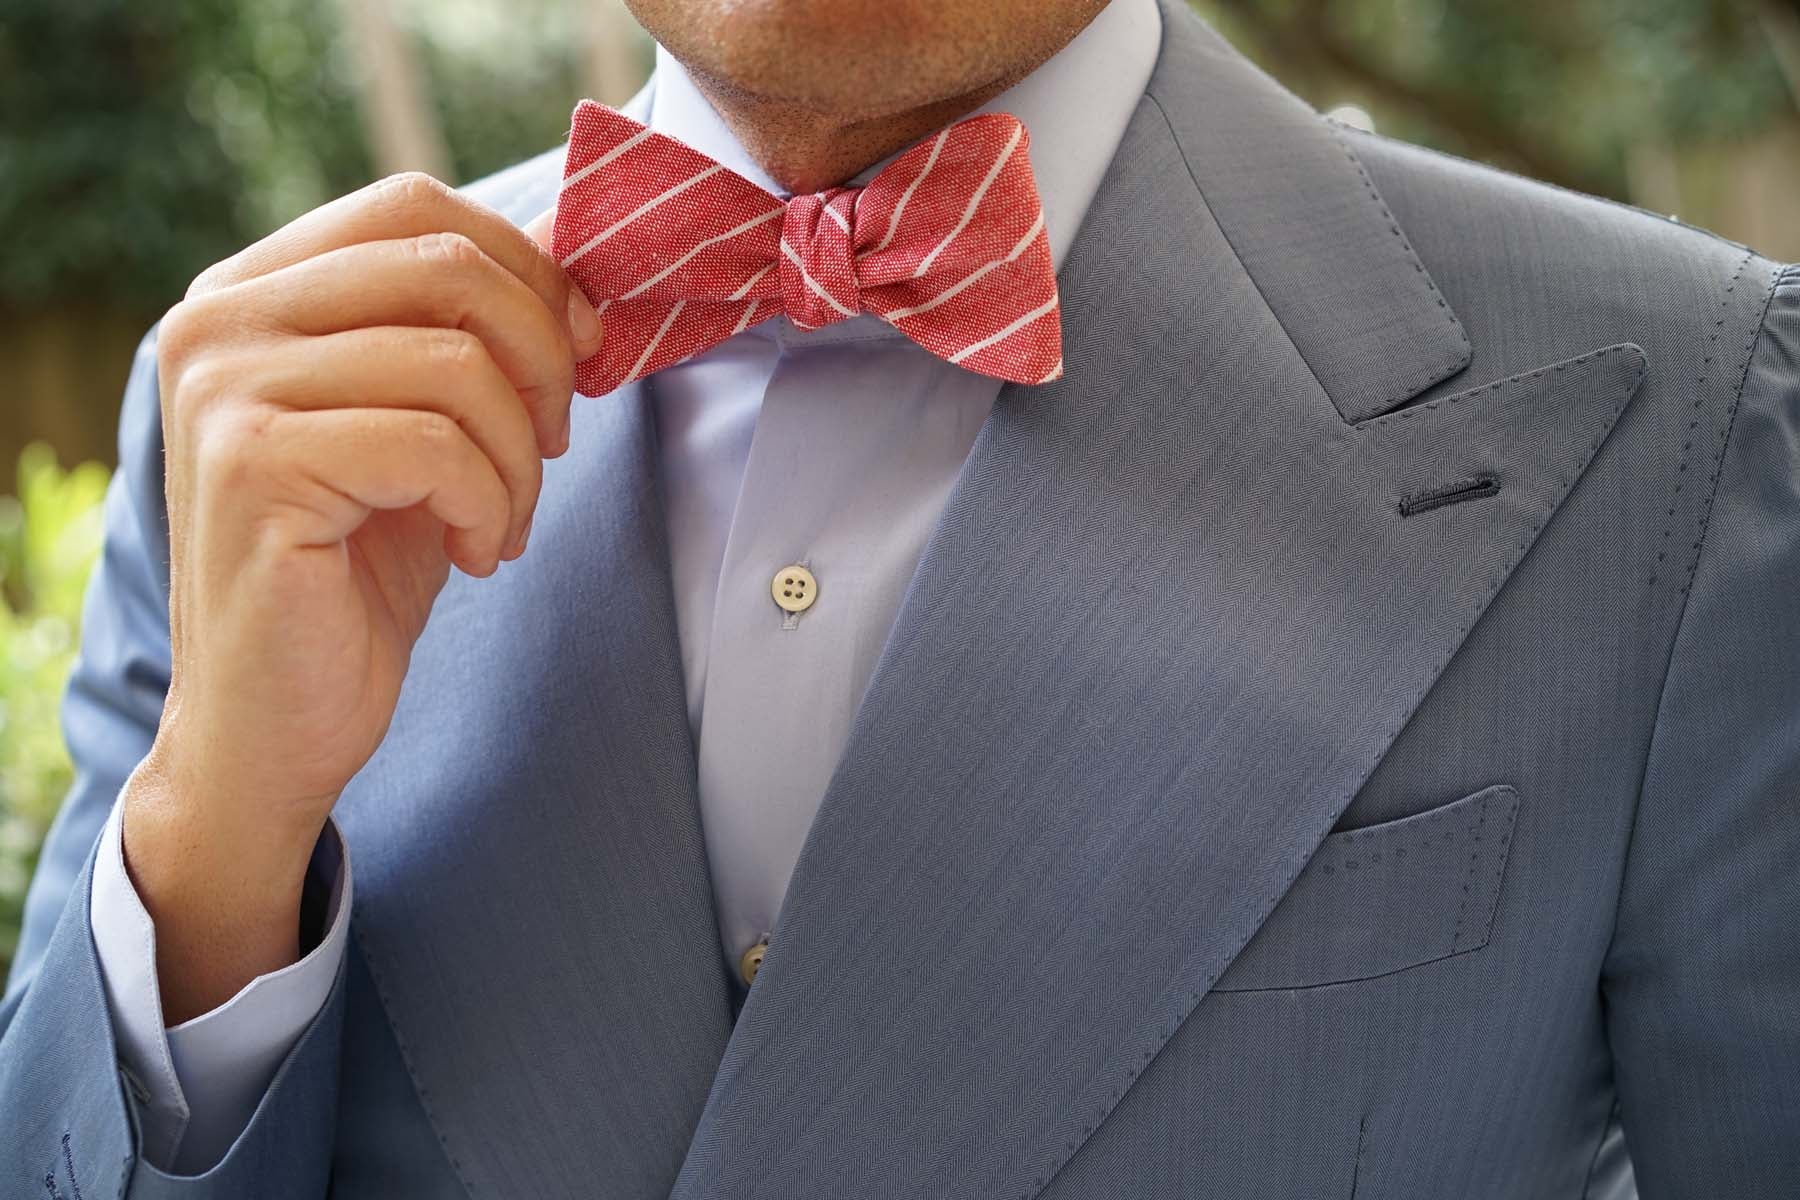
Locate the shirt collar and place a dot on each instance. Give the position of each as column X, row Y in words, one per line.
column 1075, row 105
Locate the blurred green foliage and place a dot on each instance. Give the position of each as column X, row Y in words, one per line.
column 49, row 537
column 1564, row 90
column 144, row 141
column 504, row 76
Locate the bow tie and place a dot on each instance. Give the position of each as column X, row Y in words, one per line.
column 946, row 243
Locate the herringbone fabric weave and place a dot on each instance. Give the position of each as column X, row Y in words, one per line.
column 678, row 253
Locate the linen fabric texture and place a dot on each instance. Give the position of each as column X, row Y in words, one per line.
column 678, row 253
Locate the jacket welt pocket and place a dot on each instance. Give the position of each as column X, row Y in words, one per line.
column 1386, row 897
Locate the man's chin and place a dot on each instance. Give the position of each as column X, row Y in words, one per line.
column 856, row 60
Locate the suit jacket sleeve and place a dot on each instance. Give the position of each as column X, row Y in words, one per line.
column 70, row 1116
column 1702, row 983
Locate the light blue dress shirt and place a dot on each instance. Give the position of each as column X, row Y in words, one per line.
column 834, row 449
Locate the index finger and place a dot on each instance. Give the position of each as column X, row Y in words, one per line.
column 412, row 205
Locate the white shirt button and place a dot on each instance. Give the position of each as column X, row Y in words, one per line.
column 794, row 588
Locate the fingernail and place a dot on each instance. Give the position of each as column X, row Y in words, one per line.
column 584, row 322
column 567, row 432
column 525, row 535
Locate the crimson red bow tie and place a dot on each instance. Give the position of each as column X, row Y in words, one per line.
column 946, row 243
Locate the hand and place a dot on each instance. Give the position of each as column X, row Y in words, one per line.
column 350, row 406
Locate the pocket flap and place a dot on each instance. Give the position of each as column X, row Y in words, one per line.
column 1386, row 897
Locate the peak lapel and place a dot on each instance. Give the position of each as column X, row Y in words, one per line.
column 1170, row 621
column 1303, row 217
column 531, row 888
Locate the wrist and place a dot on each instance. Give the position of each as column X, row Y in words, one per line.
column 222, row 883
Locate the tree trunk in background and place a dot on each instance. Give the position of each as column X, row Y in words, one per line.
column 1653, row 178
column 403, row 128
column 1745, row 190
column 615, row 55
column 1782, row 23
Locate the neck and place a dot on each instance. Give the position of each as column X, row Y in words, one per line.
column 805, row 150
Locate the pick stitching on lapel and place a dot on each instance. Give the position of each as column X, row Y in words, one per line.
column 1169, row 623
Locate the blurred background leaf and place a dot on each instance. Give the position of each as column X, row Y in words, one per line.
column 141, row 141
column 49, row 536
column 1685, row 107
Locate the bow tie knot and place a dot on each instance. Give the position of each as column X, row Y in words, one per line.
column 818, row 261
column 946, row 243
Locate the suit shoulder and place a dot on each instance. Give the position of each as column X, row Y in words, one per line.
column 1491, row 191
column 1532, row 265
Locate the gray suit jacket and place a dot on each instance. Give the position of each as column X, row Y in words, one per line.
column 1343, row 739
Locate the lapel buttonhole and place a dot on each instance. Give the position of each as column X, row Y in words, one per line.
column 1473, row 488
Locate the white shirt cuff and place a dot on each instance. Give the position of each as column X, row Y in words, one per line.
column 200, row 1082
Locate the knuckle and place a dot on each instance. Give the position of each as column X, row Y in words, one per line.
column 198, row 379
column 179, row 332
column 438, row 434
column 199, row 354
column 211, row 279
column 450, row 249
column 410, row 191
column 546, row 275
column 230, row 448
column 193, row 383
column 456, row 351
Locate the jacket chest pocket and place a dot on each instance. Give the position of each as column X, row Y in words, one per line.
column 1386, row 897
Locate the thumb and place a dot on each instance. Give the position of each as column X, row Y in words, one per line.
column 584, row 323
